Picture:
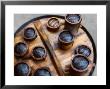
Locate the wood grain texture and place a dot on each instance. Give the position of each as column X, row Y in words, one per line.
column 57, row 60
column 50, row 48
column 28, row 59
column 65, row 56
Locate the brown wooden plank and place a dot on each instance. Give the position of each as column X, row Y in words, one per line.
column 65, row 56
column 49, row 47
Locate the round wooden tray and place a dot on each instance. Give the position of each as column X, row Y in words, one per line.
column 57, row 60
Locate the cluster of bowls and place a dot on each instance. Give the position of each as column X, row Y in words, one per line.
column 79, row 62
column 37, row 53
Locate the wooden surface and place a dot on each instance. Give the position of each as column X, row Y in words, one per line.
column 28, row 59
column 57, row 60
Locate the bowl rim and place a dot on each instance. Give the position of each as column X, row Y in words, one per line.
column 51, row 26
column 27, row 48
column 73, row 37
column 42, row 58
column 23, row 63
column 71, row 22
column 76, row 49
column 78, row 70
column 35, row 35
column 46, row 68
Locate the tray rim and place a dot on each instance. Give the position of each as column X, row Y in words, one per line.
column 59, row 16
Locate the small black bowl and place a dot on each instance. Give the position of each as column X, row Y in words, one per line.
column 53, row 24
column 42, row 72
column 72, row 22
column 80, row 63
column 21, row 69
column 83, row 49
column 29, row 33
column 20, row 49
column 66, row 39
column 39, row 53
column 73, row 18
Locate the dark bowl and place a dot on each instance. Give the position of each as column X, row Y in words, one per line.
column 29, row 33
column 22, row 69
column 39, row 53
column 73, row 18
column 80, row 63
column 53, row 24
column 20, row 49
column 83, row 49
column 66, row 37
column 42, row 72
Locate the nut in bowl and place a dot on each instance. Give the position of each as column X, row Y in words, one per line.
column 53, row 24
column 39, row 53
column 66, row 39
